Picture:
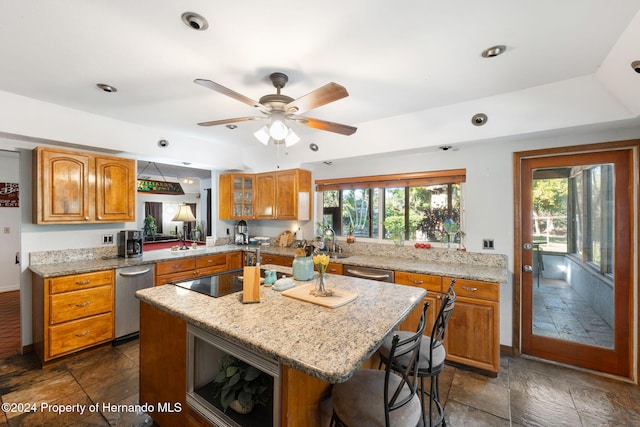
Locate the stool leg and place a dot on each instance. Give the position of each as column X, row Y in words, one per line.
column 434, row 398
column 424, row 419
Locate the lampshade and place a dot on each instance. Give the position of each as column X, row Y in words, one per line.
column 184, row 214
column 291, row 138
column 263, row 135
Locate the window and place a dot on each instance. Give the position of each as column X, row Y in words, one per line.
column 396, row 207
column 573, row 212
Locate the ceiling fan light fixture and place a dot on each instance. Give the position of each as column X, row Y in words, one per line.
column 278, row 130
column 291, row 138
column 262, row 135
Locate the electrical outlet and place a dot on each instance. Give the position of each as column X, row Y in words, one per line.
column 107, row 239
column 487, row 244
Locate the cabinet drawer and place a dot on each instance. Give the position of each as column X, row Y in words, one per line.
column 80, row 281
column 211, row 261
column 475, row 289
column 168, row 278
column 277, row 260
column 78, row 334
column 79, row 304
column 334, row 268
column 175, row 266
column 424, row 281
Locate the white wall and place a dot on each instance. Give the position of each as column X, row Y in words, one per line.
column 9, row 226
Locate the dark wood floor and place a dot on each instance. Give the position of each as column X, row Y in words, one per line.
column 10, row 334
column 525, row 393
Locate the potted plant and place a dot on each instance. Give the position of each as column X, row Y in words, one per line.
column 150, row 227
column 241, row 386
column 196, row 233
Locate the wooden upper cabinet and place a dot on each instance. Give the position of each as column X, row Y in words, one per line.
column 284, row 195
column 115, row 189
column 72, row 187
column 236, row 198
column 266, row 195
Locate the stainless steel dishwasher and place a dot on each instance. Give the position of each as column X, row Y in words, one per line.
column 128, row 281
column 369, row 273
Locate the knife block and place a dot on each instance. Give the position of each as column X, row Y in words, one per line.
column 251, row 285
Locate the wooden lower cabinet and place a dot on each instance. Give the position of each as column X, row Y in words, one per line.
column 473, row 332
column 189, row 268
column 72, row 313
column 163, row 364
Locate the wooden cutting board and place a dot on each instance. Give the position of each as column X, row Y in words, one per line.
column 339, row 298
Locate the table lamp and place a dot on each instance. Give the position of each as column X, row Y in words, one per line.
column 184, row 214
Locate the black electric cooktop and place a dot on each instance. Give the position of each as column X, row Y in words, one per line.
column 215, row 286
column 219, row 285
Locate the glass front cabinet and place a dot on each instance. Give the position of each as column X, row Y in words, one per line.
column 236, row 197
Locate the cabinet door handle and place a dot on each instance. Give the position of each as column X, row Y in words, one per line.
column 83, row 282
column 466, row 288
column 82, row 334
column 100, row 218
column 86, row 218
column 417, row 282
column 83, row 304
column 196, row 272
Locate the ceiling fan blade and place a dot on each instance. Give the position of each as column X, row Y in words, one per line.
column 231, row 93
column 325, row 125
column 317, row 98
column 227, row 121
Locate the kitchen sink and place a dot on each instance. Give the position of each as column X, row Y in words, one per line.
column 337, row 255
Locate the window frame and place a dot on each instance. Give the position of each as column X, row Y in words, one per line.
column 381, row 182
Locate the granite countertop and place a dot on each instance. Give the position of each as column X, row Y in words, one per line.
column 329, row 344
column 463, row 266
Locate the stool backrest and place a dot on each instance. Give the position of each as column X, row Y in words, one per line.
column 440, row 325
column 408, row 347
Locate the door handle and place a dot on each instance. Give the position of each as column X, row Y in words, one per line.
column 135, row 273
column 527, row 268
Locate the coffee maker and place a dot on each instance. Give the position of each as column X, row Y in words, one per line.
column 241, row 233
column 130, row 243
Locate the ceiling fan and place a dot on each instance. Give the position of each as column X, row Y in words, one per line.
column 279, row 108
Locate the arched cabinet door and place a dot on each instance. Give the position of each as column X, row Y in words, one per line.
column 73, row 188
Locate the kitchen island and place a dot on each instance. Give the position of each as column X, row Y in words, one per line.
column 314, row 346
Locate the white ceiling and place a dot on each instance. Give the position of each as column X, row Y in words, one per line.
column 396, row 58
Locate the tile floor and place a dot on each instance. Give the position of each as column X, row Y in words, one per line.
column 560, row 312
column 525, row 393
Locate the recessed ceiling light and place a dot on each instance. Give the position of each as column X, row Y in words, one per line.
column 479, row 119
column 195, row 21
column 163, row 143
column 445, row 147
column 313, row 146
column 232, row 127
column 328, row 163
column 106, row 88
column 494, row 51
column 636, row 66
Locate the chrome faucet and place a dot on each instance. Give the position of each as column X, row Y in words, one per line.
column 328, row 231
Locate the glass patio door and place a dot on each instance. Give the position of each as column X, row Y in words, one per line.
column 576, row 225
